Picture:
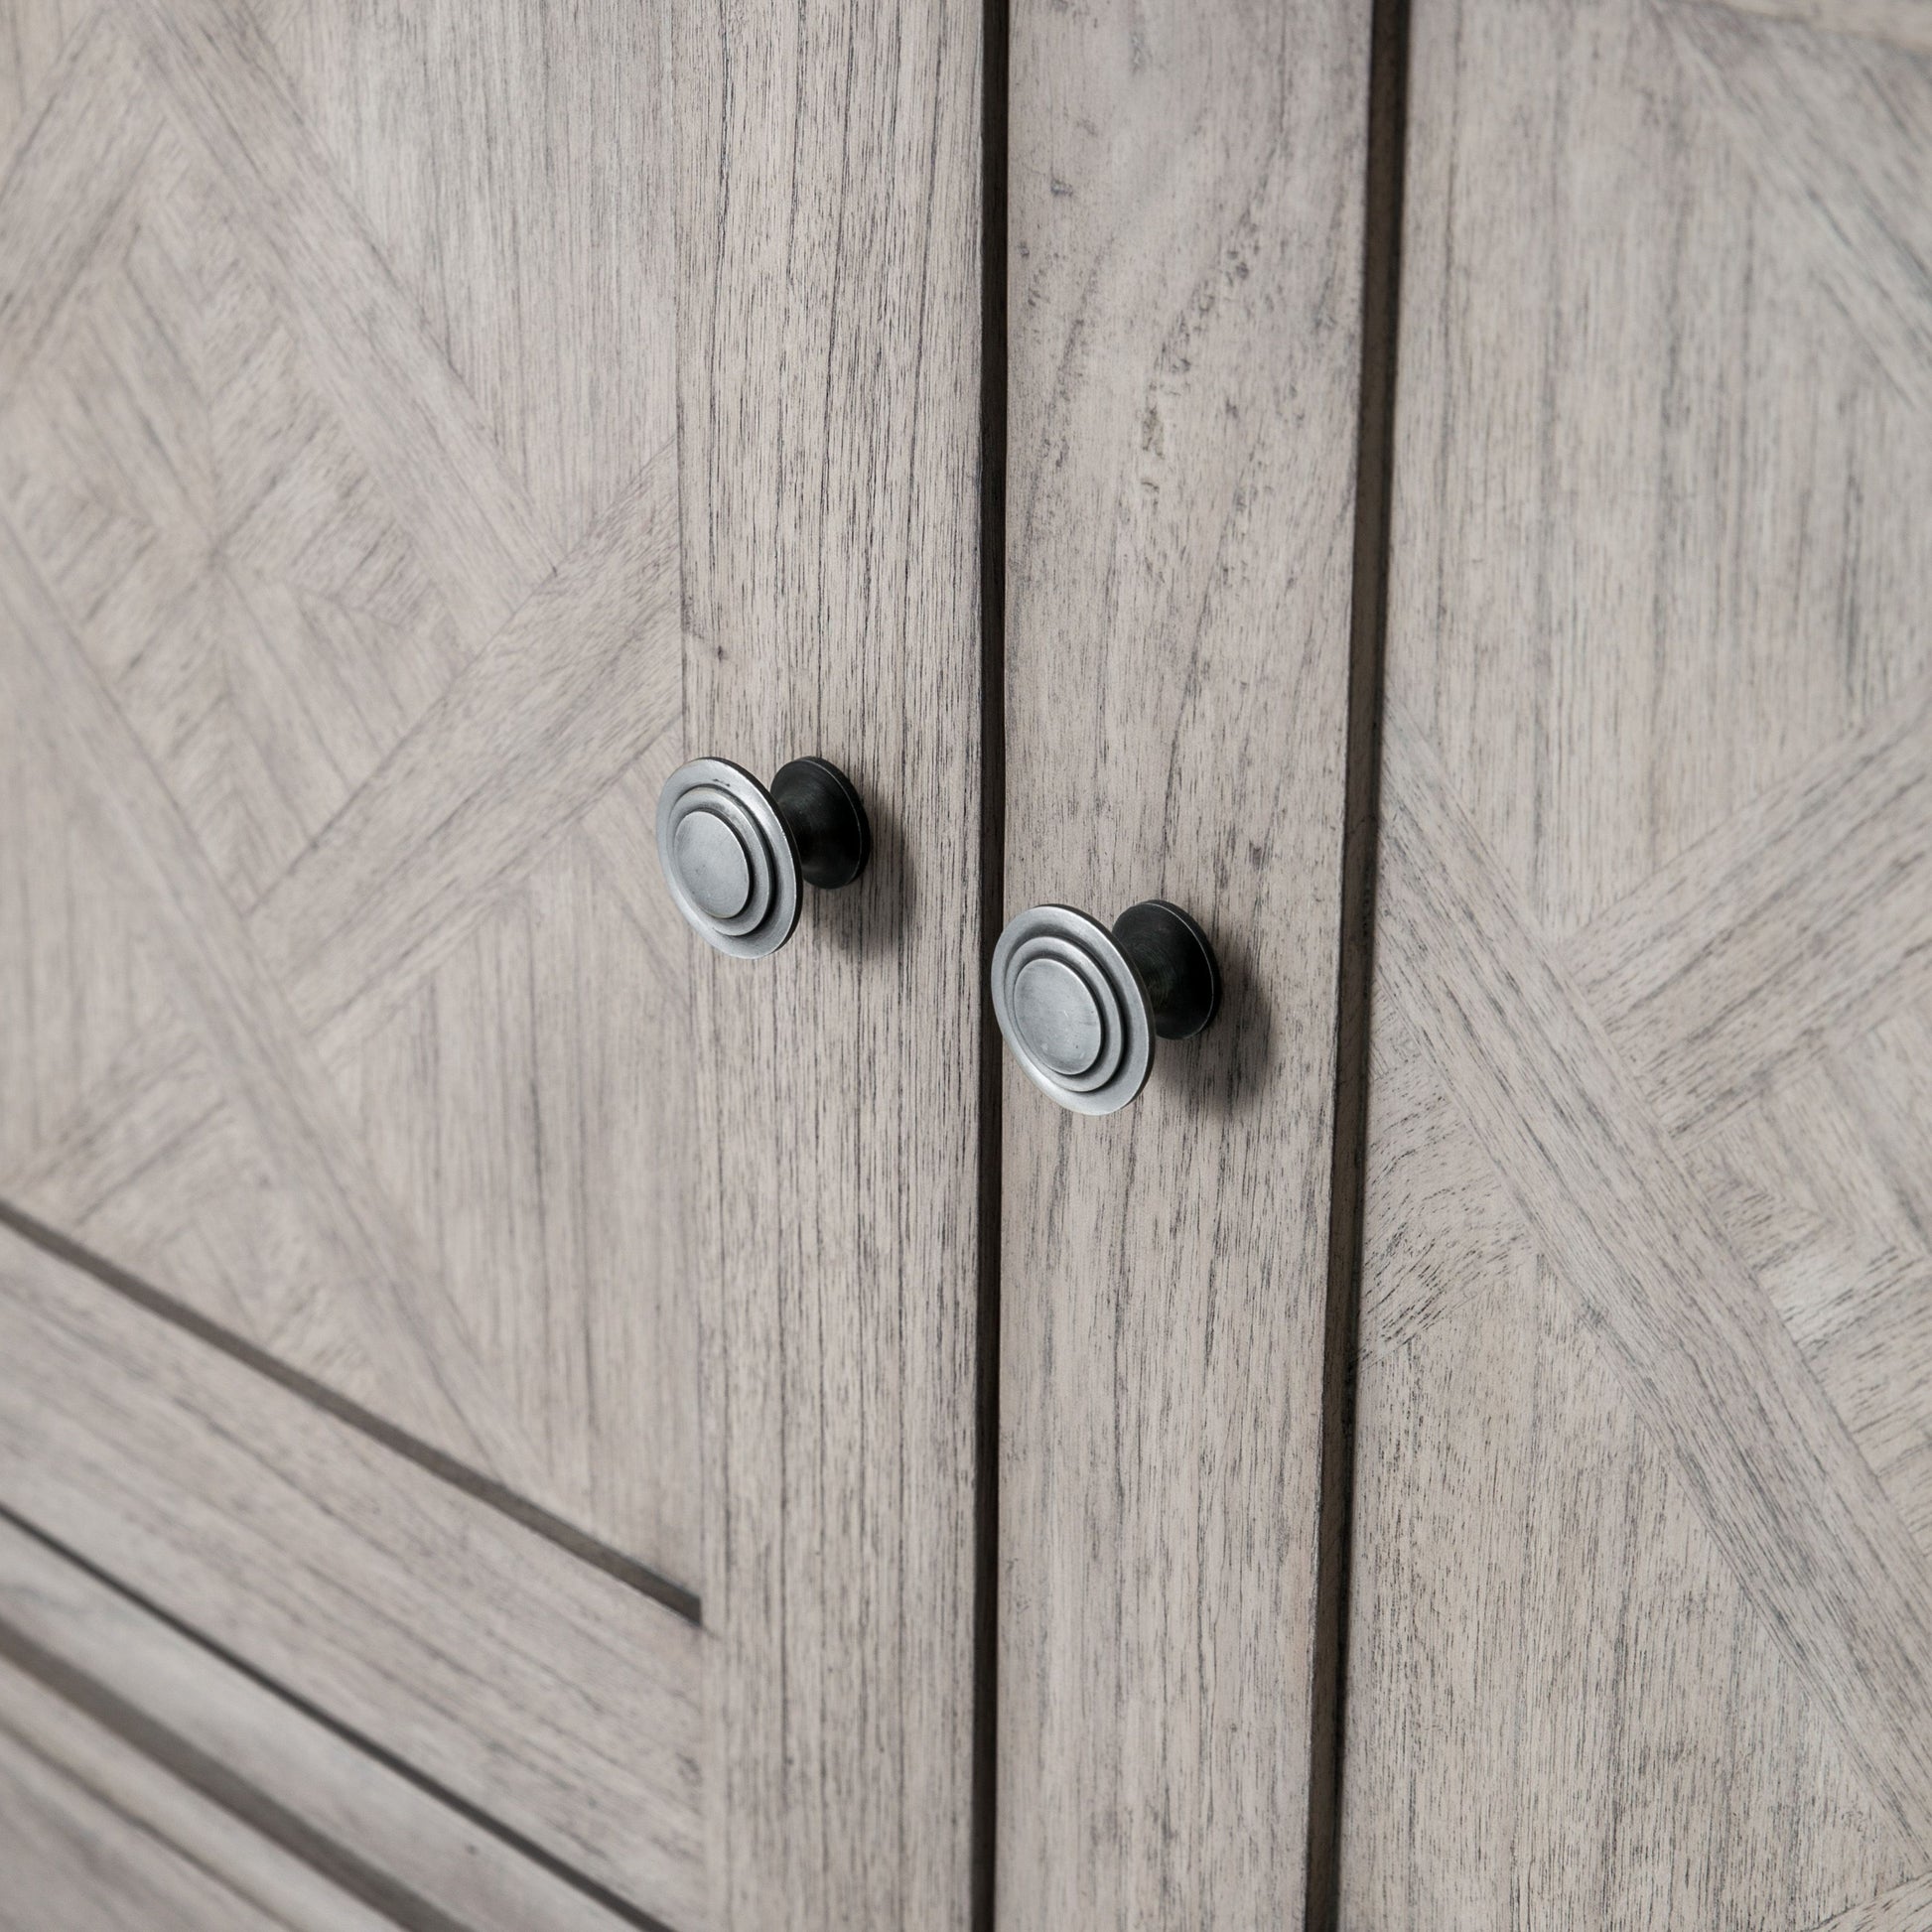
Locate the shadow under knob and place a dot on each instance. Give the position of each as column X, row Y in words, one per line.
column 1082, row 1007
column 734, row 851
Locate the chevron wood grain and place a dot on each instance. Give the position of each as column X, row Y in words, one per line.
column 1901, row 23
column 418, row 431
column 1805, row 914
column 1898, row 1911
column 1643, row 1445
column 79, row 156
column 256, row 595
column 399, row 398
column 37, row 36
column 211, row 964
column 1712, row 1371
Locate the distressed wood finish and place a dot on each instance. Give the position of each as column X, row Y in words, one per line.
column 1187, row 272
column 548, row 1695
column 829, row 264
column 339, row 569
column 1639, row 1627
column 93, row 1837
column 267, row 1759
column 418, row 430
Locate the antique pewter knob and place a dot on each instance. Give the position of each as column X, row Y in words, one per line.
column 1080, row 1006
column 734, row 852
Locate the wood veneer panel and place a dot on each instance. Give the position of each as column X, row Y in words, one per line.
column 1186, row 274
column 1638, row 1628
column 829, row 212
column 529, row 1684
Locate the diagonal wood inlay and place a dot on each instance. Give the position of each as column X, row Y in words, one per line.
column 1901, row 23
column 584, row 677
column 65, row 185
column 581, row 684
column 417, row 425
column 217, row 981
column 1790, row 921
column 1904, row 1908
column 1818, row 1546
column 1860, row 207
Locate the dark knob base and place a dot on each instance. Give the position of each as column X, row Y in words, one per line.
column 1175, row 963
column 822, row 811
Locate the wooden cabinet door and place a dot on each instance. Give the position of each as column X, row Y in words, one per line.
column 1641, row 1606
column 419, row 430
column 1187, row 299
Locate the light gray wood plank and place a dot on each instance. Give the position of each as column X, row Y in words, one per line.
column 1856, row 208
column 1186, row 267
column 259, row 1751
column 582, row 680
column 199, row 509
column 33, row 35
column 388, row 915
column 829, row 232
column 1820, row 1209
column 96, row 1836
column 535, row 1687
column 75, row 987
column 1649, row 883
column 1646, row 572
column 1562, row 1709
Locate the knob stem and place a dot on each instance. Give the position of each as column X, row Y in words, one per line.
column 1177, row 964
column 827, row 821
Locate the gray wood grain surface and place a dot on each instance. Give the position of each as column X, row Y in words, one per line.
column 417, row 432
column 1639, row 1628
column 96, row 1838
column 336, row 465
column 266, row 1759
column 545, row 1693
column 1186, row 230
column 829, row 328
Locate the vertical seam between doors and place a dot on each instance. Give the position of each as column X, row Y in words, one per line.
column 996, row 42
column 1388, row 90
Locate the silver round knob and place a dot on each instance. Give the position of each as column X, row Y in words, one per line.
column 734, row 851
column 1082, row 1007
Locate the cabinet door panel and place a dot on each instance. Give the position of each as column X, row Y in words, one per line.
column 420, row 430
column 1186, row 274
column 1642, row 1612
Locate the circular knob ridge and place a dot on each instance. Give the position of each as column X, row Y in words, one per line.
column 1082, row 1007
column 733, row 851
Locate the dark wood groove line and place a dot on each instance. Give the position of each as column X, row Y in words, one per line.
column 1388, row 92
column 446, row 1469
column 184, row 1760
column 214, row 1781
column 995, row 36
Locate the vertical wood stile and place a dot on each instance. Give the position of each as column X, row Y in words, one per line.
column 1187, row 234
